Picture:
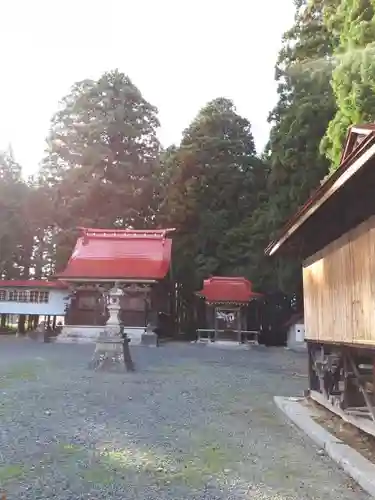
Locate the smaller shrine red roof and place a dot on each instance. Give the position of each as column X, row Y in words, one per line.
column 227, row 289
column 32, row 284
column 127, row 254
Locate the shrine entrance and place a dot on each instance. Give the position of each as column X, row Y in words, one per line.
column 228, row 325
column 226, row 301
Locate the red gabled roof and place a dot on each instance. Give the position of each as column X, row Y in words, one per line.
column 354, row 157
column 119, row 255
column 32, row 284
column 227, row 289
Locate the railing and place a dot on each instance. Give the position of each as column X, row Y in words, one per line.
column 242, row 336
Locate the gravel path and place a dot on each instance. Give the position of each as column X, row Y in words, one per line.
column 191, row 423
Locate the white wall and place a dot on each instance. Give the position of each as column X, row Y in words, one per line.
column 55, row 307
column 296, row 337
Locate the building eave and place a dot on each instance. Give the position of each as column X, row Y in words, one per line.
column 352, row 164
column 108, row 280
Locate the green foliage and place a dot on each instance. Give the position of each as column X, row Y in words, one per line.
column 353, row 79
column 15, row 237
column 105, row 168
column 102, row 159
column 215, row 180
column 296, row 167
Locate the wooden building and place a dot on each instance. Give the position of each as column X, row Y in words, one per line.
column 226, row 300
column 137, row 261
column 25, row 303
column 334, row 235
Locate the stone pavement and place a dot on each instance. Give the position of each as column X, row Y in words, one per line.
column 191, row 423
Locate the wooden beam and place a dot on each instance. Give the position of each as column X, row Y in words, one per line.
column 365, row 424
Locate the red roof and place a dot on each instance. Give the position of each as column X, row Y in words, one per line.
column 227, row 289
column 119, row 255
column 32, row 284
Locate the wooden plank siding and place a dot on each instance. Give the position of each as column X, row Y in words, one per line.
column 339, row 289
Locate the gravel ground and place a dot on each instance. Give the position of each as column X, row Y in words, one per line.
column 192, row 423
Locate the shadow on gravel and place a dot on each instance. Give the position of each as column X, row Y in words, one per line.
column 191, row 423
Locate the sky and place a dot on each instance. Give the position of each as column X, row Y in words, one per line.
column 179, row 53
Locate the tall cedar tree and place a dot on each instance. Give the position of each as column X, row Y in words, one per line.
column 352, row 24
column 102, row 157
column 305, row 107
column 295, row 166
column 300, row 118
column 16, row 237
column 214, row 185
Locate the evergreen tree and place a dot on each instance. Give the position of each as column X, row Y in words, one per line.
column 215, row 178
column 295, row 165
column 102, row 158
column 352, row 23
column 15, row 236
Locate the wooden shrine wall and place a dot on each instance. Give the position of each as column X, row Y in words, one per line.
column 339, row 289
column 87, row 307
column 139, row 307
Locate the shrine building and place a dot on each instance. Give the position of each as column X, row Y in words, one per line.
column 138, row 261
column 226, row 300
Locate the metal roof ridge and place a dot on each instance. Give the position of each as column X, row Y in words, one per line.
column 89, row 230
column 124, row 237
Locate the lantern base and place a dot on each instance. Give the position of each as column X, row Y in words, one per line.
column 109, row 355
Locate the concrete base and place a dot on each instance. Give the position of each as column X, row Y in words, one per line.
column 134, row 334
column 109, row 355
column 296, row 347
column 83, row 334
column 352, row 462
column 79, row 334
column 149, row 339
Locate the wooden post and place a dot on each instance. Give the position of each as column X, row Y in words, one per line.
column 215, row 323
column 147, row 298
column 129, row 365
column 239, row 324
column 21, row 323
column 30, row 321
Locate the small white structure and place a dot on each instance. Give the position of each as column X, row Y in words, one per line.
column 296, row 333
column 32, row 299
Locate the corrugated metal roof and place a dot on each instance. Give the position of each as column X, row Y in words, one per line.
column 221, row 289
column 119, row 255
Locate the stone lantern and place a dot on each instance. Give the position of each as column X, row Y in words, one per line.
column 112, row 348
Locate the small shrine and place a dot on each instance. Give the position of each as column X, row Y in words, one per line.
column 137, row 261
column 226, row 300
